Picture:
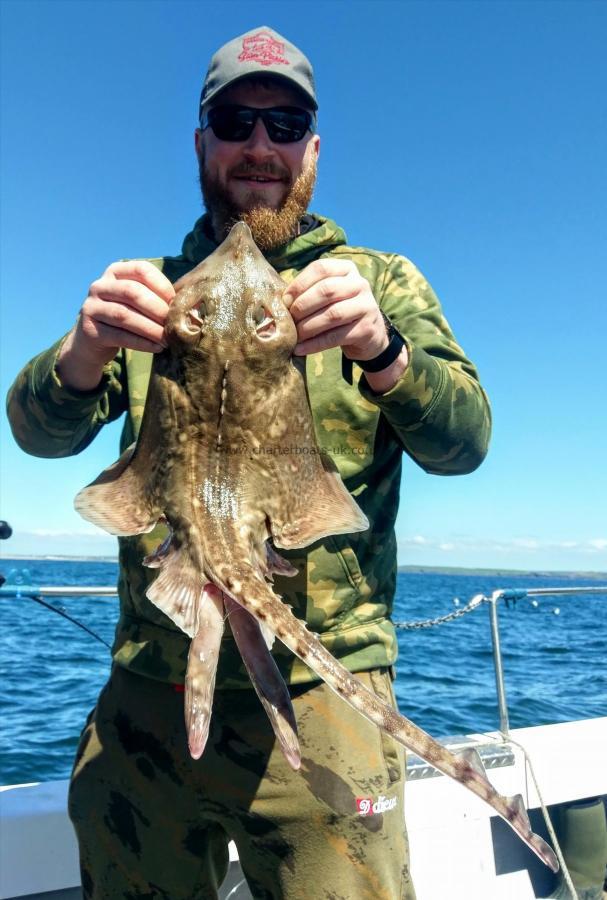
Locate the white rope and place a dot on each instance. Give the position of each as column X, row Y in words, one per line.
column 506, row 738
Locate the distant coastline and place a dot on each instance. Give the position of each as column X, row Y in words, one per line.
column 535, row 573
column 408, row 569
column 59, row 557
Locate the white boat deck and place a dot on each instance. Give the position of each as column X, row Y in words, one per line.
column 458, row 849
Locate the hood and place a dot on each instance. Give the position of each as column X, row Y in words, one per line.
column 297, row 253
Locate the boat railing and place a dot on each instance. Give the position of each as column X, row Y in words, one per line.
column 495, row 753
column 37, row 593
column 510, row 595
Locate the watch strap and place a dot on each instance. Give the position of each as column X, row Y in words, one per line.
column 387, row 356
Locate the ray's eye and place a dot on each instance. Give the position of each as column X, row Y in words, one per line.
column 265, row 324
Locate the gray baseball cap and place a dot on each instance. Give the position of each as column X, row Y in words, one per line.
column 260, row 51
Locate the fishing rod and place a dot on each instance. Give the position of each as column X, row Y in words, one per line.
column 29, row 592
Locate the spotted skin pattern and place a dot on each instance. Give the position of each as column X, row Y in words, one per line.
column 224, row 499
column 437, row 414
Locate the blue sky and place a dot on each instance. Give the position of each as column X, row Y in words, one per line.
column 469, row 136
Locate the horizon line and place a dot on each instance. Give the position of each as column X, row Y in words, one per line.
column 404, row 567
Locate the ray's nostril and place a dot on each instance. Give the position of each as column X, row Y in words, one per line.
column 265, row 324
column 195, row 317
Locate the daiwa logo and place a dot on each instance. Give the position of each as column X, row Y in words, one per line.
column 366, row 806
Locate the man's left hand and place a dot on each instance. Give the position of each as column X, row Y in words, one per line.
column 333, row 306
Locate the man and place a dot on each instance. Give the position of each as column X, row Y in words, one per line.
column 384, row 375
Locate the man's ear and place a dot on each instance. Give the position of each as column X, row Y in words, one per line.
column 198, row 144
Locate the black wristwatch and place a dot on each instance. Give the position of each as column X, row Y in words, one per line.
column 385, row 358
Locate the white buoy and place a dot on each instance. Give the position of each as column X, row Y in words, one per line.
column 535, row 603
column 556, row 611
column 456, row 601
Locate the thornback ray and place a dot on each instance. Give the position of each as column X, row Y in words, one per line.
column 227, row 457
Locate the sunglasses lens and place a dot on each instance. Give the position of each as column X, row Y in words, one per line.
column 285, row 125
column 232, row 123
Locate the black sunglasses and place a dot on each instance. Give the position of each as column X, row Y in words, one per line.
column 284, row 124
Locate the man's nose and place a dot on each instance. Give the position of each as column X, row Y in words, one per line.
column 259, row 143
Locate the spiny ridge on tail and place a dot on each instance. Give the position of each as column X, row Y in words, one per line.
column 471, row 758
column 256, row 596
column 521, row 824
column 471, row 773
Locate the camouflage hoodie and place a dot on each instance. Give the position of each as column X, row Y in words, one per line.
column 437, row 413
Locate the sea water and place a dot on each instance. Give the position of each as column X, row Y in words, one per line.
column 553, row 653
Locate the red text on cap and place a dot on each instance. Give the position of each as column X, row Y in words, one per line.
column 264, row 49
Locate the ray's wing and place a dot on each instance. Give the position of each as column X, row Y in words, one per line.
column 125, row 498
column 116, row 501
column 309, row 500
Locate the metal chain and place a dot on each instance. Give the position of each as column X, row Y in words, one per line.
column 450, row 617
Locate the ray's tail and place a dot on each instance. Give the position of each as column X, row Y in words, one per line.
column 255, row 595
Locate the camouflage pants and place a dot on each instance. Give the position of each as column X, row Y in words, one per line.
column 153, row 823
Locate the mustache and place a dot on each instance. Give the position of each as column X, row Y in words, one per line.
column 269, row 169
column 270, row 227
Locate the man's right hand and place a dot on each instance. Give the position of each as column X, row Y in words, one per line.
column 126, row 307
